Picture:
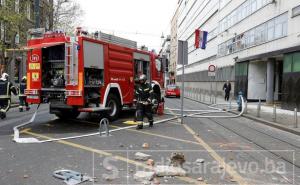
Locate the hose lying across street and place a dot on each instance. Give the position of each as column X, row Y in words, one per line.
column 196, row 114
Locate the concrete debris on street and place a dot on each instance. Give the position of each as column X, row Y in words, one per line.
column 141, row 156
column 202, row 150
column 164, row 170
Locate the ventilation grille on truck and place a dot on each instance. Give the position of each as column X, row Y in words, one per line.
column 117, row 40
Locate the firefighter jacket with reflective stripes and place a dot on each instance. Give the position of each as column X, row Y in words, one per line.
column 22, row 89
column 6, row 88
column 144, row 92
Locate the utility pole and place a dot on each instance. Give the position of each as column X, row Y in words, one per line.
column 37, row 13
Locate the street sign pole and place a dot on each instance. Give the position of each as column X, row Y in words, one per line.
column 212, row 75
column 182, row 59
column 182, row 96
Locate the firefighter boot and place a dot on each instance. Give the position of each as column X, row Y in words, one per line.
column 139, row 125
column 150, row 124
column 2, row 115
column 139, row 119
column 20, row 108
column 27, row 108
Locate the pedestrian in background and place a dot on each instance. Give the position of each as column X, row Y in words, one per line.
column 227, row 89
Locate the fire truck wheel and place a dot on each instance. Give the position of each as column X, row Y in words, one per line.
column 66, row 114
column 114, row 103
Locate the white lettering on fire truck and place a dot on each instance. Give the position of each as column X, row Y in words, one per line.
column 117, row 79
column 35, row 58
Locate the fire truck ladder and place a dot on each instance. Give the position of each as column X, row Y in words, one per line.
column 71, row 62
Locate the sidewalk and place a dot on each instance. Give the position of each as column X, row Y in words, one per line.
column 285, row 119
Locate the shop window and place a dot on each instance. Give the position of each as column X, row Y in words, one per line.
column 296, row 62
column 287, row 64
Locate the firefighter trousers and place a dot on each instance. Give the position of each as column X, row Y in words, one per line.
column 143, row 110
column 4, row 104
column 23, row 101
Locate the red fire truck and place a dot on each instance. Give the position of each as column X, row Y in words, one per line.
column 87, row 73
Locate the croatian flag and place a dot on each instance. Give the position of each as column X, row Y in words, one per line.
column 200, row 39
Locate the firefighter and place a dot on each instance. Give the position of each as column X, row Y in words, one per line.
column 143, row 95
column 6, row 88
column 22, row 96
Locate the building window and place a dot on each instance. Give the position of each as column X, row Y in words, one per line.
column 212, row 34
column 240, row 13
column 296, row 62
column 223, row 3
column 287, row 65
column 241, row 69
column 291, row 63
column 296, row 11
column 271, row 30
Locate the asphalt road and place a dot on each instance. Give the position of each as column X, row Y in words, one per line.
column 233, row 150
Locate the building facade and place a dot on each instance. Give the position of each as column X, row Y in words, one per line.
column 35, row 13
column 173, row 49
column 253, row 43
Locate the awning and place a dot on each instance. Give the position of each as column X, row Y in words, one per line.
column 43, row 45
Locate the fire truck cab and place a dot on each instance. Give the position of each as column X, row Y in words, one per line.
column 87, row 73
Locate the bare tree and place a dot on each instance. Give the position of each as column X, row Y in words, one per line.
column 67, row 15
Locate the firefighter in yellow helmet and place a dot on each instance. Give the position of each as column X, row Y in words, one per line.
column 6, row 88
column 22, row 96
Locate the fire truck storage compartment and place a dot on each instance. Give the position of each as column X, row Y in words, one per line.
column 93, row 71
column 53, row 65
column 141, row 65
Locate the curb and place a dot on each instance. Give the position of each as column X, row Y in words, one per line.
column 269, row 123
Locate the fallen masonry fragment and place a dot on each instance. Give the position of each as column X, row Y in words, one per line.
column 141, row 156
column 162, row 170
column 142, row 176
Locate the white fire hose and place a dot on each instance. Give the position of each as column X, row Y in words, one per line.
column 196, row 114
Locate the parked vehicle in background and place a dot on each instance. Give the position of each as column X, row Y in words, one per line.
column 172, row 90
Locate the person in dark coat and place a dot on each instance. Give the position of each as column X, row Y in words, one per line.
column 22, row 96
column 143, row 97
column 6, row 88
column 227, row 89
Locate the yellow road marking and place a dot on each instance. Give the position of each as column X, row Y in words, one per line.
column 236, row 176
column 101, row 152
column 130, row 122
column 152, row 134
column 162, row 136
column 23, row 131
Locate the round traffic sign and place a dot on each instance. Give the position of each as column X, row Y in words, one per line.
column 211, row 68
